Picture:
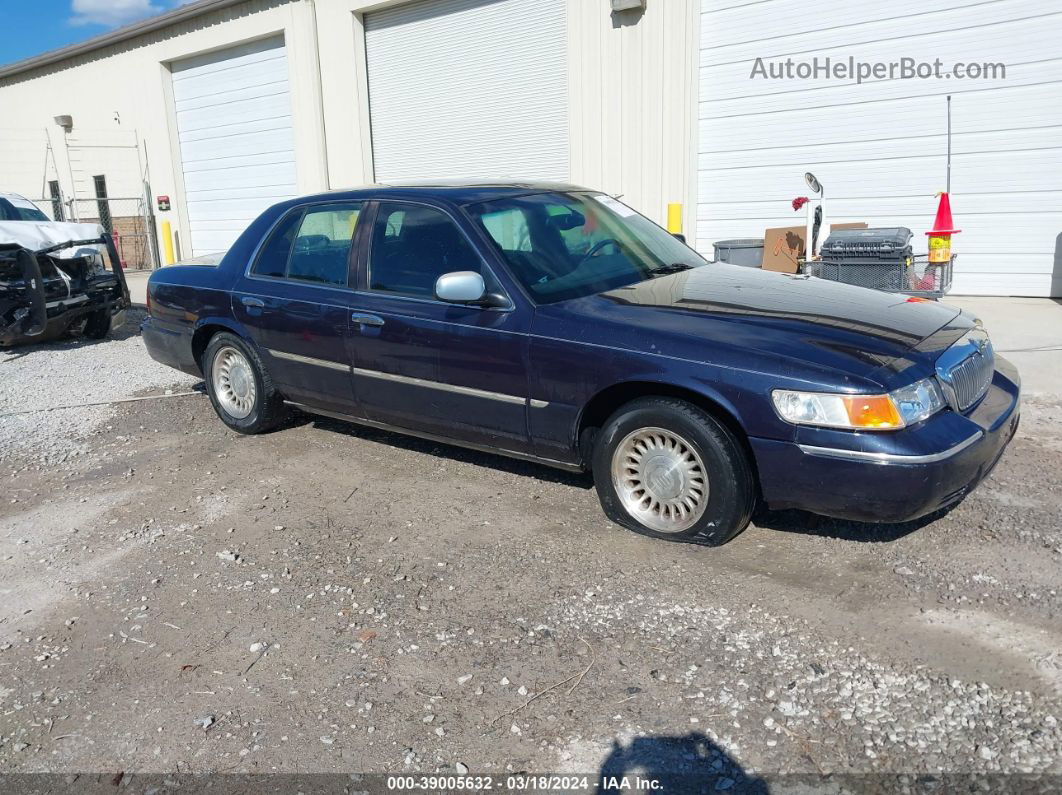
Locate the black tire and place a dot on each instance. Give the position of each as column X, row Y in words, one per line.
column 731, row 488
column 97, row 325
column 267, row 409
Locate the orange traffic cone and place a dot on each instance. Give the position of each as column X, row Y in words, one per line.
column 940, row 234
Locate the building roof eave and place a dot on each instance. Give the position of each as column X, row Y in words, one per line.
column 149, row 25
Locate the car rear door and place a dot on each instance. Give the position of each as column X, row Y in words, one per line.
column 295, row 302
column 446, row 369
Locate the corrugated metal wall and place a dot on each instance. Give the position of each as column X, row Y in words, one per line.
column 633, row 99
column 879, row 148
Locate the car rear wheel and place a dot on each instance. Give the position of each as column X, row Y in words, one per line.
column 239, row 387
column 666, row 468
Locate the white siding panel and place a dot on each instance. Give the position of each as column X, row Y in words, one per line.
column 237, row 145
column 792, row 19
column 944, row 31
column 879, row 147
column 469, row 88
column 903, row 119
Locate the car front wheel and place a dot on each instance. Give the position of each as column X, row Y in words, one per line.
column 666, row 468
column 239, row 387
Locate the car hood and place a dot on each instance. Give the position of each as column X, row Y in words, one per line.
column 36, row 235
column 790, row 318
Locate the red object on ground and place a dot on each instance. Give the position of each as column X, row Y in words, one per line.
column 943, row 225
column 118, row 248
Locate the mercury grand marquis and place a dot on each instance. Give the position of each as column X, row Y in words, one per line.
column 554, row 323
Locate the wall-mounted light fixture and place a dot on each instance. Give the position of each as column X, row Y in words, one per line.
column 66, row 122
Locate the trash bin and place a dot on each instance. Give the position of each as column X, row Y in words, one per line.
column 747, row 251
column 879, row 258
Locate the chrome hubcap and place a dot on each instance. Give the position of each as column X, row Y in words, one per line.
column 661, row 479
column 233, row 381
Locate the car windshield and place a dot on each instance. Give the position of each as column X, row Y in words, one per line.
column 568, row 245
column 23, row 211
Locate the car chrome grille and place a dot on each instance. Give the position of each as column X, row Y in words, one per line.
column 965, row 370
column 971, row 377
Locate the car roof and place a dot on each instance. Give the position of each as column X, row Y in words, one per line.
column 454, row 191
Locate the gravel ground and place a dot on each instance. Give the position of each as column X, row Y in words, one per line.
column 327, row 599
column 59, row 374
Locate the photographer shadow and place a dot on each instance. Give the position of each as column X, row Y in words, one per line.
column 663, row 764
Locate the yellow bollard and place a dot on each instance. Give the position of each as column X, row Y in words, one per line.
column 674, row 218
column 167, row 243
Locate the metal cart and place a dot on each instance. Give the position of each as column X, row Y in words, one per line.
column 917, row 276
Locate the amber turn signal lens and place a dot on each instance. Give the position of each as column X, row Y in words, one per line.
column 872, row 411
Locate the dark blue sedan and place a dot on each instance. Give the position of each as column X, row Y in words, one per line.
column 556, row 324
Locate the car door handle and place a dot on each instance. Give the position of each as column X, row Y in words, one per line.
column 365, row 319
column 256, row 303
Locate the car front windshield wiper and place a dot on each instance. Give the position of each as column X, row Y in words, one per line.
column 674, row 267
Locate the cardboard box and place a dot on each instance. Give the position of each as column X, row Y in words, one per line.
column 782, row 247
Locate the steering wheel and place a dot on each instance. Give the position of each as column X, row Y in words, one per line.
column 597, row 247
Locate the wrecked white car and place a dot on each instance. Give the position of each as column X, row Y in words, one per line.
column 53, row 279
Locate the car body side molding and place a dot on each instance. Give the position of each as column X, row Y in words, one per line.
column 461, row 390
column 294, row 357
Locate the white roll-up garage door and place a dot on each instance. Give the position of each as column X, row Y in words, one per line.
column 879, row 147
column 236, row 141
column 469, row 88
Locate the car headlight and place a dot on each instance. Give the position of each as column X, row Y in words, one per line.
column 896, row 409
column 919, row 400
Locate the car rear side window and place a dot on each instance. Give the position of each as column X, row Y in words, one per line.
column 273, row 258
column 312, row 246
column 322, row 245
column 413, row 245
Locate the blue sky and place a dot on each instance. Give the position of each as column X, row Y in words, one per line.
column 34, row 27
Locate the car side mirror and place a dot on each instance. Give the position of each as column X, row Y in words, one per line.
column 679, row 236
column 465, row 287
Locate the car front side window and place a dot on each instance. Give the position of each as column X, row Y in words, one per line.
column 413, row 245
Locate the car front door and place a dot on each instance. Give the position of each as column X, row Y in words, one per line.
column 419, row 363
column 295, row 302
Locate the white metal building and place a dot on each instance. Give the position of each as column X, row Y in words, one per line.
column 226, row 106
column 879, row 147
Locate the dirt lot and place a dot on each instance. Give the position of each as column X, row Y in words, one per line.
column 323, row 598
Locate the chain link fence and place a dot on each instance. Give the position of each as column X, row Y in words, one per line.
column 126, row 219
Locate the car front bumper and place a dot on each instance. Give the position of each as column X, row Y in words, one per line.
column 892, row 477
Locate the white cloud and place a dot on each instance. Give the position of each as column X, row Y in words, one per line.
column 110, row 12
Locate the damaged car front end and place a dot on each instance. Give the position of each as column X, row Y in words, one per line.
column 48, row 291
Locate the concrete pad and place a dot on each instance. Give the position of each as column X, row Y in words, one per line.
column 137, row 281
column 1028, row 331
